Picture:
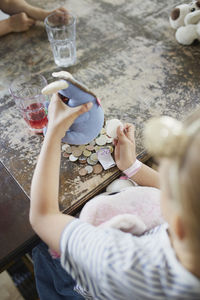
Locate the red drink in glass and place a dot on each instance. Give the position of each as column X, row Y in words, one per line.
column 35, row 116
column 26, row 91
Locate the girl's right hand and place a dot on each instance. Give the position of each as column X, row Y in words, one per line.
column 125, row 154
column 61, row 116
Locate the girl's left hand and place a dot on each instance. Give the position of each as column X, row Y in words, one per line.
column 61, row 116
column 125, row 154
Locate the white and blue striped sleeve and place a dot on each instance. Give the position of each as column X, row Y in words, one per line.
column 114, row 265
column 98, row 258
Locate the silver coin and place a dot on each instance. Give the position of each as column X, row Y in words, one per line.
column 73, row 158
column 101, row 141
column 97, row 148
column 89, row 169
column 68, row 149
column 109, row 139
column 64, row 147
column 91, row 162
column 94, row 157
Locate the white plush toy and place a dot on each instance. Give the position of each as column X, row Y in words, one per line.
column 185, row 18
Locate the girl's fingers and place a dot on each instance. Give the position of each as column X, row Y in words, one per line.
column 79, row 110
column 76, row 111
column 55, row 97
column 115, row 141
column 129, row 130
column 64, row 10
column 31, row 22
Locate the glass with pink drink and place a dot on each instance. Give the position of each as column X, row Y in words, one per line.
column 26, row 91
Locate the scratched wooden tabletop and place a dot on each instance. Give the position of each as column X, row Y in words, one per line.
column 126, row 53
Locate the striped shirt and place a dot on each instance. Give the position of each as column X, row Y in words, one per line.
column 112, row 265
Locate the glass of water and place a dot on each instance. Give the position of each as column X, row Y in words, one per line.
column 61, row 31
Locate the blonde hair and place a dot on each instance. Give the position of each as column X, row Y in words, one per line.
column 180, row 142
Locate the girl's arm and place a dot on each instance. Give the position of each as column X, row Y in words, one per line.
column 16, row 6
column 16, row 23
column 147, row 176
column 45, row 217
column 125, row 156
column 5, row 27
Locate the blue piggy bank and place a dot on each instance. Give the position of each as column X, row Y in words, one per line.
column 87, row 126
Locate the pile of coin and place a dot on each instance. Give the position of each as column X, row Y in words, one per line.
column 86, row 155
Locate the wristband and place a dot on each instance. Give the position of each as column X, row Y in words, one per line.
column 132, row 170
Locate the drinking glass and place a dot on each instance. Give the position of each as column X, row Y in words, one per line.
column 26, row 91
column 61, row 31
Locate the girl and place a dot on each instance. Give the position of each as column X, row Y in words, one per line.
column 110, row 264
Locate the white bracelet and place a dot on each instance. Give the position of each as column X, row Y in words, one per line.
column 132, row 170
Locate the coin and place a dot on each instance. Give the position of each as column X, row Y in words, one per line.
column 109, row 139
column 82, row 172
column 87, row 153
column 97, row 148
column 64, row 147
column 101, row 141
column 65, row 154
column 111, row 127
column 68, row 149
column 97, row 169
column 77, row 152
column 74, row 148
column 89, row 169
column 92, row 143
column 94, row 157
column 81, row 147
column 73, row 158
column 103, row 131
column 82, row 159
column 91, row 162
column 90, row 147
column 111, row 149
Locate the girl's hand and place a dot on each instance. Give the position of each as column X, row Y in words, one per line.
column 61, row 116
column 125, row 154
column 20, row 22
column 40, row 14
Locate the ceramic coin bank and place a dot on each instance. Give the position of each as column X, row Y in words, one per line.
column 73, row 93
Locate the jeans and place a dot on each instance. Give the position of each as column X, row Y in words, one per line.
column 52, row 281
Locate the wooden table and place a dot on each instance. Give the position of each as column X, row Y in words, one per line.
column 127, row 54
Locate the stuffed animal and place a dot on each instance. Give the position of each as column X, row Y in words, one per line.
column 87, row 126
column 133, row 209
column 124, row 206
column 185, row 18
